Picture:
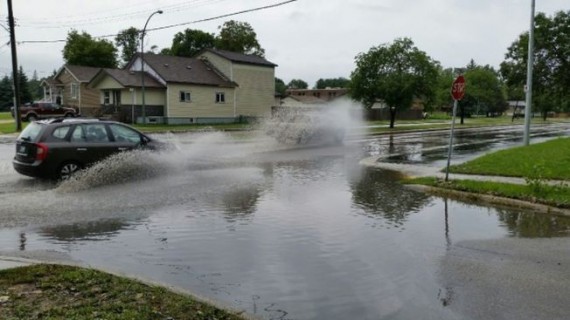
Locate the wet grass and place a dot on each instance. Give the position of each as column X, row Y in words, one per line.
column 547, row 160
column 64, row 292
column 444, row 123
column 552, row 195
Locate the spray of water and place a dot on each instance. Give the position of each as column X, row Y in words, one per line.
column 314, row 125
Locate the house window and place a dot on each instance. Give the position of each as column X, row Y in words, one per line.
column 106, row 97
column 220, row 97
column 74, row 91
column 185, row 96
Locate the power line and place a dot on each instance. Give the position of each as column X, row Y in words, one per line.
column 117, row 17
column 175, row 25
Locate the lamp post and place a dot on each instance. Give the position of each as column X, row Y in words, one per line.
column 142, row 64
column 530, row 63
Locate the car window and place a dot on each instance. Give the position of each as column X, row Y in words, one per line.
column 125, row 134
column 78, row 134
column 61, row 132
column 31, row 132
column 95, row 132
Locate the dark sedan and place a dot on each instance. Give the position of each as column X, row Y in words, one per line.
column 58, row 148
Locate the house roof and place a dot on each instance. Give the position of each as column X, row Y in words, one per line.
column 186, row 70
column 128, row 78
column 51, row 82
column 242, row 58
column 81, row 73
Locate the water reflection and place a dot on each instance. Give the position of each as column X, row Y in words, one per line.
column 91, row 231
column 534, row 225
column 377, row 194
column 240, row 202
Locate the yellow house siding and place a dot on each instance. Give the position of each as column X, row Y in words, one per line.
column 203, row 103
column 66, row 79
column 222, row 64
column 108, row 83
column 256, row 91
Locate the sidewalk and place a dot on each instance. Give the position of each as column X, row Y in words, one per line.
column 12, row 262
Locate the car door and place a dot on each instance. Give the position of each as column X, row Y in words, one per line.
column 124, row 137
column 92, row 142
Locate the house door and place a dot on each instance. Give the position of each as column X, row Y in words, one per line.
column 116, row 99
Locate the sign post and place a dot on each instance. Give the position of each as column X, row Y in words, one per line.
column 457, row 92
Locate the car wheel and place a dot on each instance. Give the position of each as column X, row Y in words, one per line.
column 67, row 170
column 68, row 115
column 31, row 117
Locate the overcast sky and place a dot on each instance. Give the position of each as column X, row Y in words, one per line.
column 308, row 39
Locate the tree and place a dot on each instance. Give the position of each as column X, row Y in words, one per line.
column 190, row 42
column 332, row 83
column 484, row 92
column 297, row 84
column 443, row 99
column 280, row 86
column 25, row 94
column 394, row 74
column 34, row 85
column 551, row 69
column 239, row 37
column 82, row 49
column 129, row 42
column 6, row 93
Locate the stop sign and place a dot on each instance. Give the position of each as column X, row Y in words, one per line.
column 458, row 88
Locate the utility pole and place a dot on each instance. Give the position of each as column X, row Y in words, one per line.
column 528, row 106
column 16, row 80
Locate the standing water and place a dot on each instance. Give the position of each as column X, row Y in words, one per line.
column 282, row 232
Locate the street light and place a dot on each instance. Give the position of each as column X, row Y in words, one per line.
column 530, row 63
column 142, row 64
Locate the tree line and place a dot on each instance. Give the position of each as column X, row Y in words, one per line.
column 393, row 73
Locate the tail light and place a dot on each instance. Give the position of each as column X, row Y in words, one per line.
column 41, row 151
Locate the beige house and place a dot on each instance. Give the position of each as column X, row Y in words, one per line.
column 69, row 87
column 216, row 86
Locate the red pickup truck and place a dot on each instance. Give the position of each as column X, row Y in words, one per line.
column 44, row 110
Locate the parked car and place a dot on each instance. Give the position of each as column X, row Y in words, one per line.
column 58, row 148
column 43, row 110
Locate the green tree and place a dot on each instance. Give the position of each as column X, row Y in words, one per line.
column 394, row 74
column 484, row 92
column 82, row 49
column 34, row 85
column 190, row 42
column 129, row 42
column 280, row 86
column 25, row 94
column 443, row 99
column 6, row 93
column 551, row 69
column 297, row 84
column 332, row 83
column 239, row 37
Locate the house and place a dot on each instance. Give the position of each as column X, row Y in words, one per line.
column 69, row 87
column 214, row 87
column 120, row 93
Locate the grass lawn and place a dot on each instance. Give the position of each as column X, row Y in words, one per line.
column 556, row 196
column 547, row 160
column 63, row 292
column 536, row 162
column 442, row 122
column 5, row 116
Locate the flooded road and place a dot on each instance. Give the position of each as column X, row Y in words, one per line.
column 298, row 233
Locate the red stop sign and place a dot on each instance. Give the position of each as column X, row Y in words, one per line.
column 458, row 88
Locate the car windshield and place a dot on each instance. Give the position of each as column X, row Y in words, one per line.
column 31, row 132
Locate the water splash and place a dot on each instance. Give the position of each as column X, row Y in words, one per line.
column 313, row 125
